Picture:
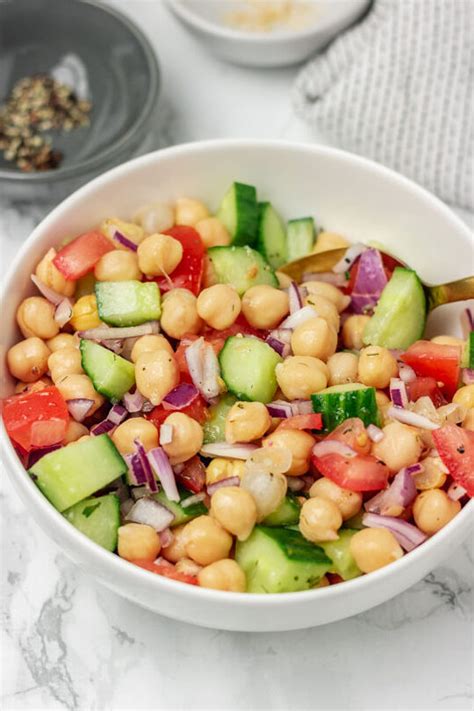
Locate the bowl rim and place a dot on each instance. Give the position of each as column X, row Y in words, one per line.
column 122, row 141
column 111, row 564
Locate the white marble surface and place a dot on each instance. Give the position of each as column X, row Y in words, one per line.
column 68, row 643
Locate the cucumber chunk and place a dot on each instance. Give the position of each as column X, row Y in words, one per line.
column 128, row 303
column 111, row 374
column 214, row 427
column 343, row 562
column 98, row 519
column 400, row 315
column 471, row 350
column 339, row 402
column 300, row 237
column 238, row 212
column 287, row 514
column 248, row 368
column 277, row 560
column 181, row 515
column 271, row 236
column 242, row 267
column 78, row 470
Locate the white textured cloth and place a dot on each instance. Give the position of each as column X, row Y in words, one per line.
column 398, row 88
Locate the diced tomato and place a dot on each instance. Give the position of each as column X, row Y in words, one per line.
column 302, row 422
column 168, row 571
column 193, row 476
column 456, row 449
column 360, row 473
column 334, row 578
column 434, row 360
column 36, row 419
column 188, row 273
column 240, row 325
column 425, row 387
column 353, row 433
column 82, row 254
column 197, row 410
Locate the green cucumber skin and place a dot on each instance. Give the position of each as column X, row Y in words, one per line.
column 214, row 427
column 287, row 514
column 400, row 315
column 343, row 563
column 271, row 236
column 239, row 213
column 78, row 470
column 181, row 515
column 248, row 368
column 111, row 375
column 336, row 407
column 471, row 349
column 300, row 237
column 243, row 267
column 128, row 303
column 98, row 519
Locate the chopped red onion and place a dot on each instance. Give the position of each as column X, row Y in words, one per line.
column 370, row 282
column 328, row 277
column 162, row 467
column 294, row 298
column 333, row 446
column 79, row 407
column 191, row 500
column 232, row 451
column 299, row 317
column 103, row 427
column 124, row 241
column 295, row 484
column 375, row 433
column 145, row 461
column 102, row 333
column 134, row 401
column 229, row 481
column 400, row 494
column 350, row 256
column 468, row 376
column 63, row 312
column 178, row 468
column 181, row 396
column 136, row 473
column 281, row 334
column 127, row 347
column 116, row 416
column 166, row 538
column 126, row 506
column 408, row 535
column 35, row 454
column 203, row 368
column 406, row 373
column 398, row 392
column 302, row 407
column 280, row 408
column 456, row 491
column 166, row 433
column 45, row 290
column 283, row 349
column 467, row 321
column 113, row 344
column 150, row 513
column 411, row 418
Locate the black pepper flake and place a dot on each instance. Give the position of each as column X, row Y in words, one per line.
column 461, row 449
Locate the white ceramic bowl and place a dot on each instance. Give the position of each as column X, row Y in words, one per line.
column 345, row 193
column 281, row 47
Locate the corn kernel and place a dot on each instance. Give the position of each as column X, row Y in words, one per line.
column 84, row 313
column 221, row 468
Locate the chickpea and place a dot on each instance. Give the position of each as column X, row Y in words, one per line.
column 206, row 541
column 235, row 509
column 179, row 315
column 465, row 397
column 156, row 374
column 348, row 502
column 62, row 340
column 342, row 368
column 373, row 548
column 300, row 376
column 76, row 386
column 329, row 240
column 150, row 344
column 28, row 359
column 400, row 446
column 433, row 475
column 382, row 399
column 299, row 443
column 187, row 438
column 353, row 331
column 320, row 520
column 157, row 217
column 176, row 550
column 52, row 277
column 66, row 361
column 85, row 314
column 448, row 341
column 188, row 567
column 135, row 428
column 74, row 431
column 220, row 468
column 376, row 367
column 35, row 387
column 189, row 211
column 246, row 422
column 212, row 232
column 159, row 254
column 265, row 306
column 314, row 338
column 468, row 422
column 325, row 309
column 117, row 266
column 224, row 574
column 35, row 317
column 136, row 541
column 433, row 509
column 219, row 305
column 132, row 232
column 329, row 292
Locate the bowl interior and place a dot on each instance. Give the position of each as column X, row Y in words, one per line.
column 104, row 50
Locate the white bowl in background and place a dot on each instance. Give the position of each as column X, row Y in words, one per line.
column 345, row 193
column 277, row 48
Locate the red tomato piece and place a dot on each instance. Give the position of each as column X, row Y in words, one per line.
column 302, row 422
column 197, row 410
column 36, row 419
column 456, row 449
column 188, row 273
column 240, row 325
column 334, row 578
column 360, row 473
column 434, row 360
column 82, row 254
column 353, row 433
column 193, row 476
column 168, row 571
column 425, row 387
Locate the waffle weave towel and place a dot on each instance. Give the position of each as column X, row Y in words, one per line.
column 399, row 88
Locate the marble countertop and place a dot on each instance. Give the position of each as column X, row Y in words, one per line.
column 68, row 643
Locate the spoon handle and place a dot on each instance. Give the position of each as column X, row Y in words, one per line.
column 459, row 290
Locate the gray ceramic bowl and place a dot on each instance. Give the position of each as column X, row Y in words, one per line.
column 118, row 67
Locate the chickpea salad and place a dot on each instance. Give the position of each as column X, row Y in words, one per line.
column 187, row 406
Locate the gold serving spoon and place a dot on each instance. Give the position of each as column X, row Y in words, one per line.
column 459, row 290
